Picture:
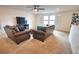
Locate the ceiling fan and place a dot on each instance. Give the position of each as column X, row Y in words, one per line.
column 36, row 8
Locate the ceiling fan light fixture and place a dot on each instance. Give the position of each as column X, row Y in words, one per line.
column 35, row 10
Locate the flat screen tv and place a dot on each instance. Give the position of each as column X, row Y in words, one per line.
column 21, row 20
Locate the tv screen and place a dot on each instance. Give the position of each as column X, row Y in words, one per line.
column 21, row 20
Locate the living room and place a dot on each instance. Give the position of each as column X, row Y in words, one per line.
column 46, row 15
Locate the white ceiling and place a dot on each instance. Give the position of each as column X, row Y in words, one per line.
column 48, row 8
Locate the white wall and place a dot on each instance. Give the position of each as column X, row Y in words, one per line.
column 8, row 16
column 63, row 21
column 39, row 20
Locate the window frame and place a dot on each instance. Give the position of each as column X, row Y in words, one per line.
column 48, row 19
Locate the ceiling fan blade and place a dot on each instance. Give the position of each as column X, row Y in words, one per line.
column 30, row 6
column 41, row 8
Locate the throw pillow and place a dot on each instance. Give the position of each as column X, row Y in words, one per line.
column 15, row 28
column 21, row 27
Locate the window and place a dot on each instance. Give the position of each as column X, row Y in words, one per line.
column 45, row 17
column 45, row 20
column 49, row 20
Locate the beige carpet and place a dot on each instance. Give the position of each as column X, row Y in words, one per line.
column 55, row 44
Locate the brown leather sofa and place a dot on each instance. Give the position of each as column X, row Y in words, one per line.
column 43, row 34
column 40, row 35
column 16, row 35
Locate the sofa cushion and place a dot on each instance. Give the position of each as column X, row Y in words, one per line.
column 21, row 27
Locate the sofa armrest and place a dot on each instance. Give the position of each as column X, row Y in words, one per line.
column 21, row 33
